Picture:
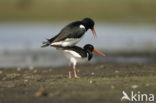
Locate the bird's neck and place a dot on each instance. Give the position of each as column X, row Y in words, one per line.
column 89, row 55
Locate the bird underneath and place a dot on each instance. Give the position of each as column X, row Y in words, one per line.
column 71, row 34
column 77, row 54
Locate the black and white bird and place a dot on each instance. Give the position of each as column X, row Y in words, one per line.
column 71, row 34
column 76, row 54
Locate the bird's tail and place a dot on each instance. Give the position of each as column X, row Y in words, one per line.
column 46, row 43
column 49, row 41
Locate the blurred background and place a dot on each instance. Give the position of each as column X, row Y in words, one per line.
column 126, row 30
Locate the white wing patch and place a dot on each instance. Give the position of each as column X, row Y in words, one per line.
column 82, row 26
column 75, row 54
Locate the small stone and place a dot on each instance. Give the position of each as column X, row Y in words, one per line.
column 101, row 66
column 41, row 92
column 25, row 81
column 35, row 71
column 134, row 86
column 31, row 68
column 91, row 81
column 112, row 86
column 92, row 73
column 18, row 69
column 1, row 72
column 116, row 72
column 147, row 84
column 28, row 77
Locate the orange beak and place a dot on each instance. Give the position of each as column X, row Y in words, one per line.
column 96, row 51
column 94, row 33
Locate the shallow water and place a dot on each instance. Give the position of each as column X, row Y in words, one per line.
column 109, row 36
column 20, row 43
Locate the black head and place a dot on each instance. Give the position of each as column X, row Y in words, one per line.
column 88, row 23
column 89, row 49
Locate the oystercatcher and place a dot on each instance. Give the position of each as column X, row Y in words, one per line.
column 71, row 34
column 76, row 54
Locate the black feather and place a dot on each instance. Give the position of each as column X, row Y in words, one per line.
column 48, row 42
column 90, row 55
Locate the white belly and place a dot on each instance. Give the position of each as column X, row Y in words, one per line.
column 73, row 57
column 66, row 42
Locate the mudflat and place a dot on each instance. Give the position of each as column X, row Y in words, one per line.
column 98, row 83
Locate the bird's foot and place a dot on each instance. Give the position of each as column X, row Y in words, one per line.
column 69, row 77
column 76, row 77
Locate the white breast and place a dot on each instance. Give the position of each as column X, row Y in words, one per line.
column 73, row 56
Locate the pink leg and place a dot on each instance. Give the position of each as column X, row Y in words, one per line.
column 69, row 73
column 74, row 68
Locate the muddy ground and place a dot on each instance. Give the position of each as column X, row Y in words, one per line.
column 98, row 83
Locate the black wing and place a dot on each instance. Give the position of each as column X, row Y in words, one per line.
column 72, row 30
column 79, row 50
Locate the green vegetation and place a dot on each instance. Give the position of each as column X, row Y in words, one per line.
column 142, row 11
column 101, row 83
